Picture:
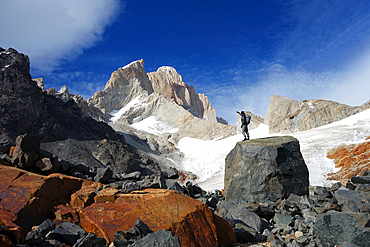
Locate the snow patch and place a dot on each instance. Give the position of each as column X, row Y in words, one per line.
column 153, row 126
column 136, row 103
column 129, row 65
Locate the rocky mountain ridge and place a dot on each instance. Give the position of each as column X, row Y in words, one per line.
column 286, row 115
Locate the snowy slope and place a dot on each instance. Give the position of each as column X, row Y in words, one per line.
column 206, row 159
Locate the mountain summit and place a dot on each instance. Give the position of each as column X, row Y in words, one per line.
column 166, row 81
column 158, row 102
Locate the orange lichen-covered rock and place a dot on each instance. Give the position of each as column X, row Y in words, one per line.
column 160, row 209
column 352, row 160
column 27, row 199
column 30, row 197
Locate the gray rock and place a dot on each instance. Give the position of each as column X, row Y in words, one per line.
column 336, row 186
column 277, row 243
column 160, row 238
column 26, row 151
column 67, row 233
column 334, row 228
column 131, row 176
column 283, row 219
column 174, row 185
column 6, row 142
column 268, row 234
column 90, row 240
column 125, row 238
column 153, row 181
column 361, row 180
column 350, row 206
column 265, row 169
column 342, row 195
column 171, row 173
column 241, row 215
column 45, row 227
column 103, row 175
column 319, row 191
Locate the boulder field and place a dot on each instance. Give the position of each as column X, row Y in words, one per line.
column 28, row 199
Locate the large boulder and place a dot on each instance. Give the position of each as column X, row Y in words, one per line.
column 266, row 169
column 189, row 219
column 26, row 199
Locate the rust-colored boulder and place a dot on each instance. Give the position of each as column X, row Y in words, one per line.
column 31, row 197
column 352, row 160
column 160, row 209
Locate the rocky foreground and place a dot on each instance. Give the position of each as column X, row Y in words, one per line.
column 273, row 206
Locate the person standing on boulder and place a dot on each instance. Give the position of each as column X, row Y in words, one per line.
column 246, row 119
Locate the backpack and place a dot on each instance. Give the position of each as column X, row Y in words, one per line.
column 247, row 119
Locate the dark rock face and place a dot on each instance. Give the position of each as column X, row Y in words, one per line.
column 25, row 109
column 21, row 104
column 264, row 170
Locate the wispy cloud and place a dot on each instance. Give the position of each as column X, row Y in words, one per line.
column 49, row 31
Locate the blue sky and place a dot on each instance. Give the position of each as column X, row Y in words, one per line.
column 238, row 53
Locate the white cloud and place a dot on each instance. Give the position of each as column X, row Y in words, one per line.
column 49, row 31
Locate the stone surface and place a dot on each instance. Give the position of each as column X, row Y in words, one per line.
column 286, row 115
column 90, row 240
column 161, row 238
column 352, row 160
column 67, row 233
column 187, row 218
column 335, row 228
column 30, row 197
column 265, row 169
column 241, row 215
